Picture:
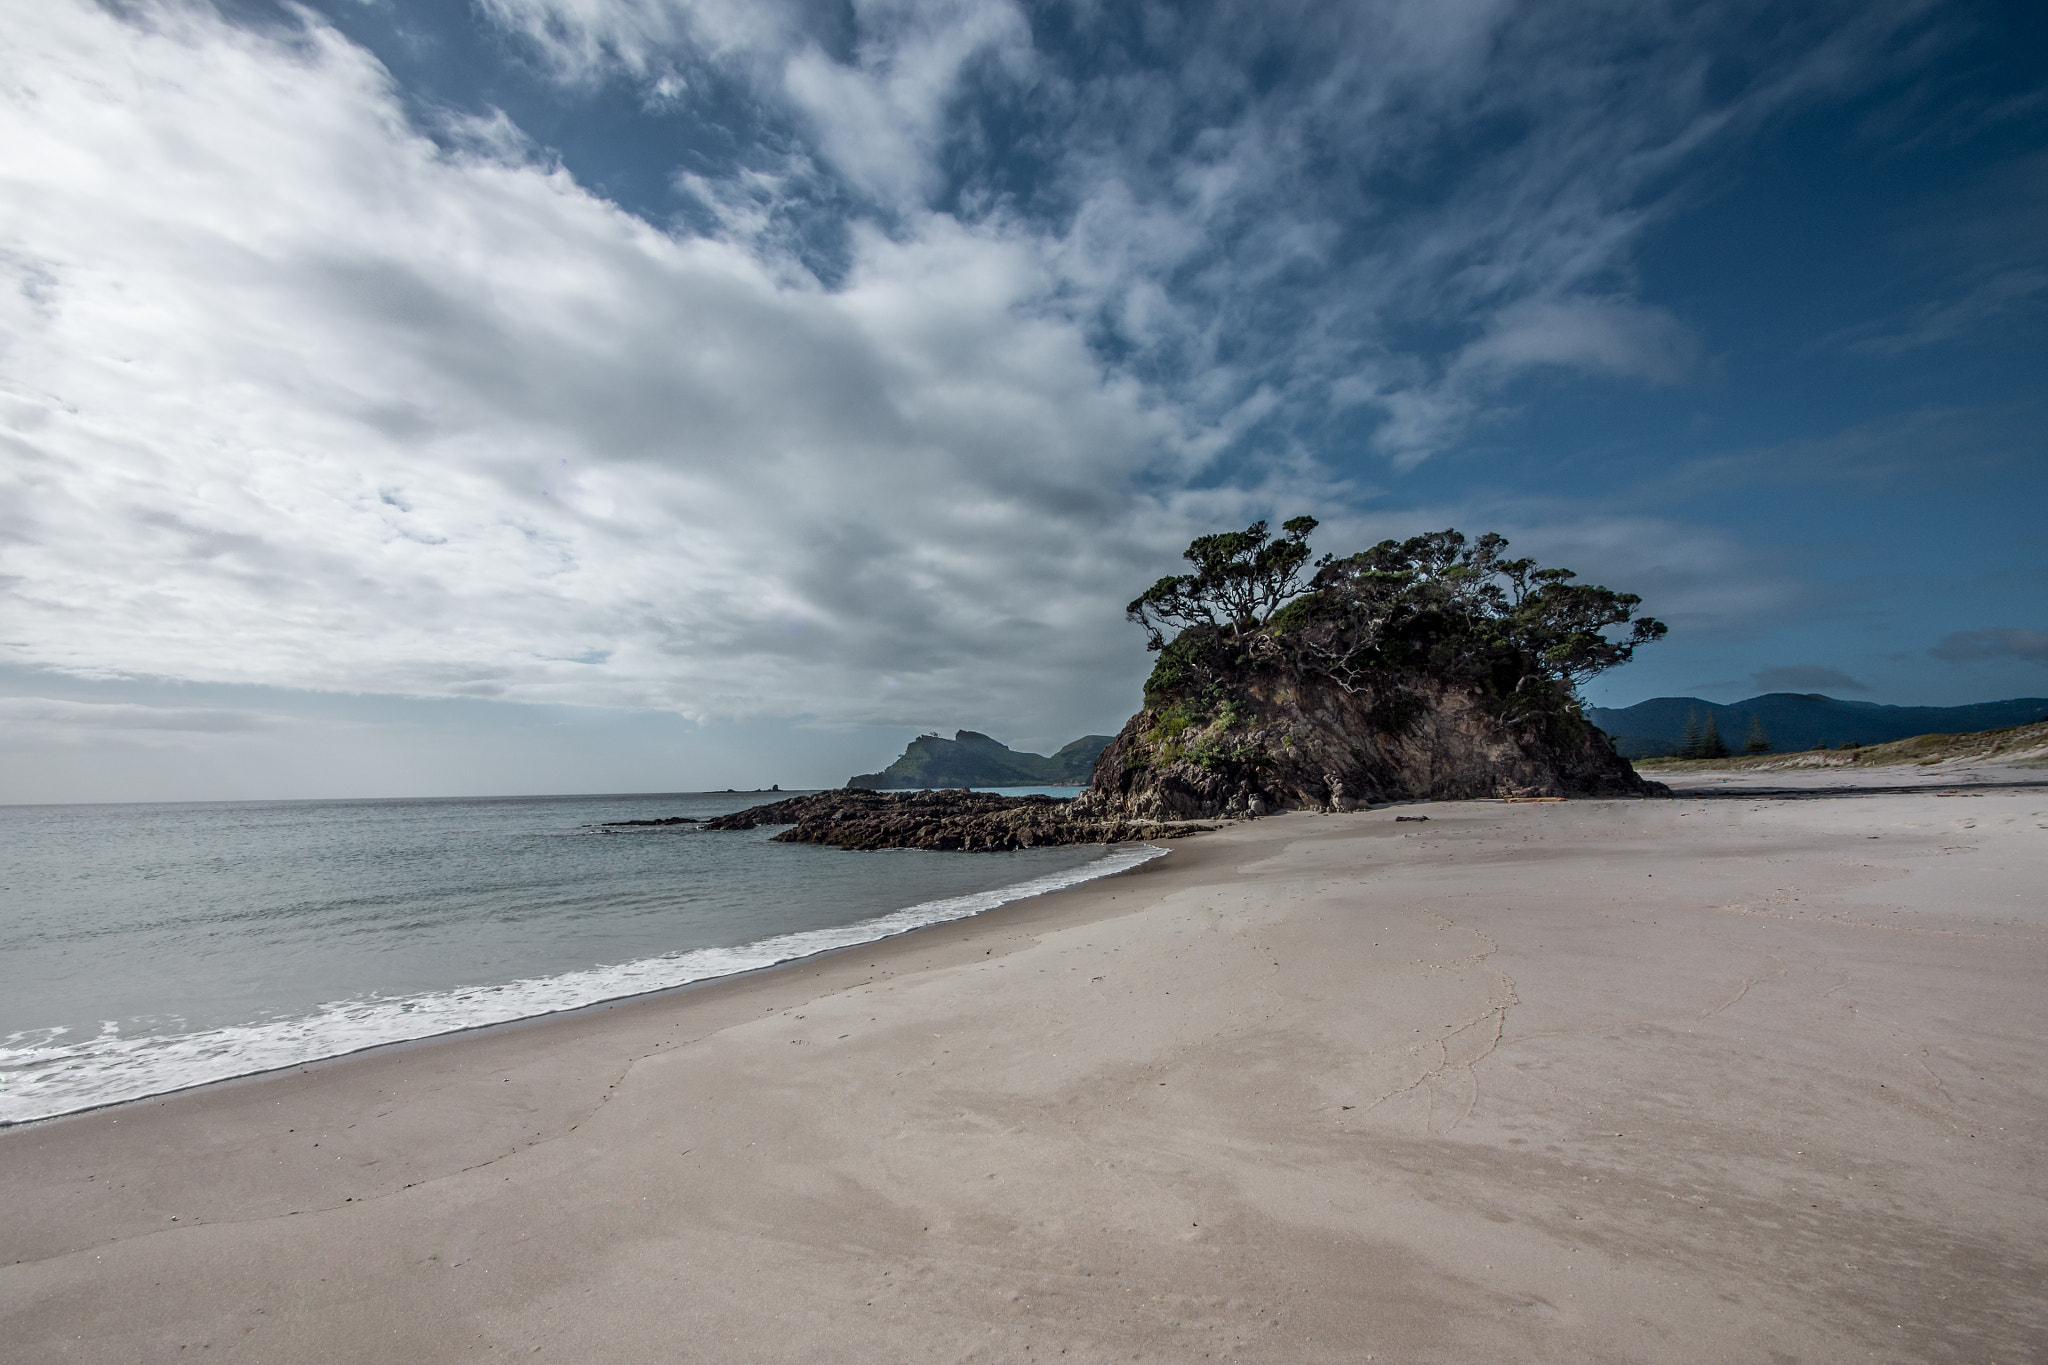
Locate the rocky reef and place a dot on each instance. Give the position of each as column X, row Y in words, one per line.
column 961, row 820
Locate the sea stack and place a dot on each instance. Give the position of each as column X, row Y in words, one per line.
column 1432, row 669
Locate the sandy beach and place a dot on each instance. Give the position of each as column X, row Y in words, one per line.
column 1755, row 1074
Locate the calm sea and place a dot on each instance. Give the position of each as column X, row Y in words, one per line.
column 145, row 948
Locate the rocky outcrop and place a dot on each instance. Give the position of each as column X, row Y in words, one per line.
column 1291, row 740
column 961, row 820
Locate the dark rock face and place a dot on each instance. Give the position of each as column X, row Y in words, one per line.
column 951, row 820
column 1295, row 741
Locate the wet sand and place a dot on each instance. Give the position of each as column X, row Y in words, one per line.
column 1733, row 1076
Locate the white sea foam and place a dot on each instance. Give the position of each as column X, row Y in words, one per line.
column 43, row 1073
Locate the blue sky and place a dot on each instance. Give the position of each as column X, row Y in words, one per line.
column 531, row 395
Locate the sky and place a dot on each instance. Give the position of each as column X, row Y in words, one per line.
column 464, row 397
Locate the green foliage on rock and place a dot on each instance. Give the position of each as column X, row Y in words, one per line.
column 1241, row 578
column 1455, row 611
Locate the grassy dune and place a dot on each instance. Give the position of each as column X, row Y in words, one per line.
column 2020, row 744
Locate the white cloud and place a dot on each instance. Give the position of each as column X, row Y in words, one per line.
column 297, row 398
column 1605, row 337
column 291, row 395
column 2002, row 296
column 1600, row 336
column 584, row 40
column 51, row 718
column 1434, row 200
column 880, row 119
column 875, row 112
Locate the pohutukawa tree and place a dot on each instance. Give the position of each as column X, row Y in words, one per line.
column 1440, row 605
column 1449, row 606
column 1241, row 578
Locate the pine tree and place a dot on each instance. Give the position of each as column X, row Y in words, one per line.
column 1689, row 745
column 1758, row 742
column 1710, row 741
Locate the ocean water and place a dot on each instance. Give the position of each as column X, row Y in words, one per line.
column 146, row 948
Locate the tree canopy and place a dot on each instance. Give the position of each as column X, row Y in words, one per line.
column 1437, row 604
column 1241, row 578
column 1707, row 743
column 1469, row 603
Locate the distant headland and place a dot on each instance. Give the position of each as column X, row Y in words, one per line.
column 971, row 759
column 1791, row 721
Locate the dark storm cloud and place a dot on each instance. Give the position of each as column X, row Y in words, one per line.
column 1805, row 678
column 1998, row 642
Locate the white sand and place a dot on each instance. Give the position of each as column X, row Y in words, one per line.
column 1756, row 1080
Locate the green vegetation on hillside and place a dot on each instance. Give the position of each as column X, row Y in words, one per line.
column 1799, row 721
column 1701, row 739
column 970, row 759
column 2026, row 745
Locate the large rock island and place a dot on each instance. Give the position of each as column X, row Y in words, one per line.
column 1429, row 669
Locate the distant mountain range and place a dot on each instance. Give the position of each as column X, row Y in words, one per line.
column 1796, row 721
column 969, row 759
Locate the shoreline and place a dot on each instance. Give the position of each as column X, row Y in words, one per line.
column 1601, row 1079
column 449, row 1059
column 1008, row 894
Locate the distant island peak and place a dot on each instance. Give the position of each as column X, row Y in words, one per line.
column 973, row 759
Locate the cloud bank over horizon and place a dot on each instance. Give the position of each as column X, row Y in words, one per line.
column 745, row 361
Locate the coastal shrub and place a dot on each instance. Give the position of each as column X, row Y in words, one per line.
column 1178, row 668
